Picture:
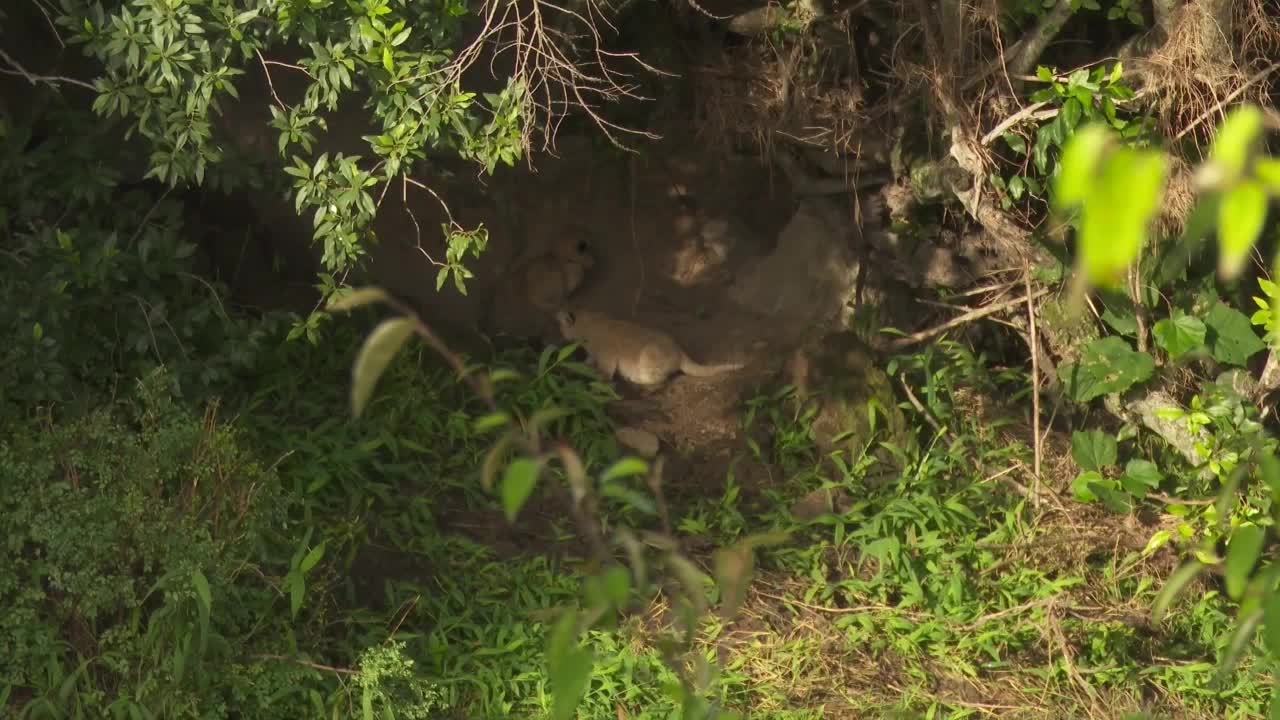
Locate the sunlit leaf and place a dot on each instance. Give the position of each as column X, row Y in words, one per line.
column 626, row 467
column 1241, row 216
column 1118, row 206
column 378, row 351
column 1237, row 137
column 1230, row 336
column 1093, row 449
column 1080, row 160
column 517, row 485
column 1179, row 334
column 1108, row 365
column 356, row 298
column 1175, row 585
column 1242, row 555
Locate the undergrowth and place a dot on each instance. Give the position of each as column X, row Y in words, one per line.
column 276, row 559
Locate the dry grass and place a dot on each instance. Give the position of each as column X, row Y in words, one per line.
column 1194, row 72
column 764, row 91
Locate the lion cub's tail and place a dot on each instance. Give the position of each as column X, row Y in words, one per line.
column 689, row 367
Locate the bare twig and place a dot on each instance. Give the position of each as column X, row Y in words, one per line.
column 1035, row 383
column 307, row 663
column 1030, row 112
column 270, row 84
column 968, row 317
column 34, row 79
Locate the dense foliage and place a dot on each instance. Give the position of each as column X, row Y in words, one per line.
column 197, row 526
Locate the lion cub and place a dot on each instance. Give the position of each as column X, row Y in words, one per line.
column 639, row 354
column 537, row 286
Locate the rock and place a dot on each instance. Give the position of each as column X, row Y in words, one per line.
column 804, row 281
column 642, row 441
column 839, row 376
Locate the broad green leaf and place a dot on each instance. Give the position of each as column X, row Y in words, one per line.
column 1176, row 583
column 1241, row 216
column 1271, row 622
column 1093, row 449
column 1080, row 160
column 1106, row 366
column 1230, row 336
column 378, row 351
column 1242, row 555
column 1144, row 474
column 356, row 298
column 569, row 680
column 1111, row 498
column 1180, row 334
column 1082, row 486
column 517, row 485
column 568, row 667
column 1117, row 208
column 1070, row 113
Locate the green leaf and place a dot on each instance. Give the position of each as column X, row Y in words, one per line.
column 1241, row 216
column 1267, row 170
column 625, row 467
column 1242, row 555
column 297, row 588
column 569, row 678
column 1079, row 162
column 1180, row 334
column 1112, row 499
column 1144, row 473
column 203, row 594
column 1230, row 336
column 616, row 582
column 1237, row 136
column 1118, row 204
column 379, row 350
column 1093, row 449
column 1071, row 112
column 1175, row 585
column 355, row 298
column 1016, row 142
column 1271, row 622
column 1106, row 366
column 491, row 421
column 517, row 485
column 312, row 558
